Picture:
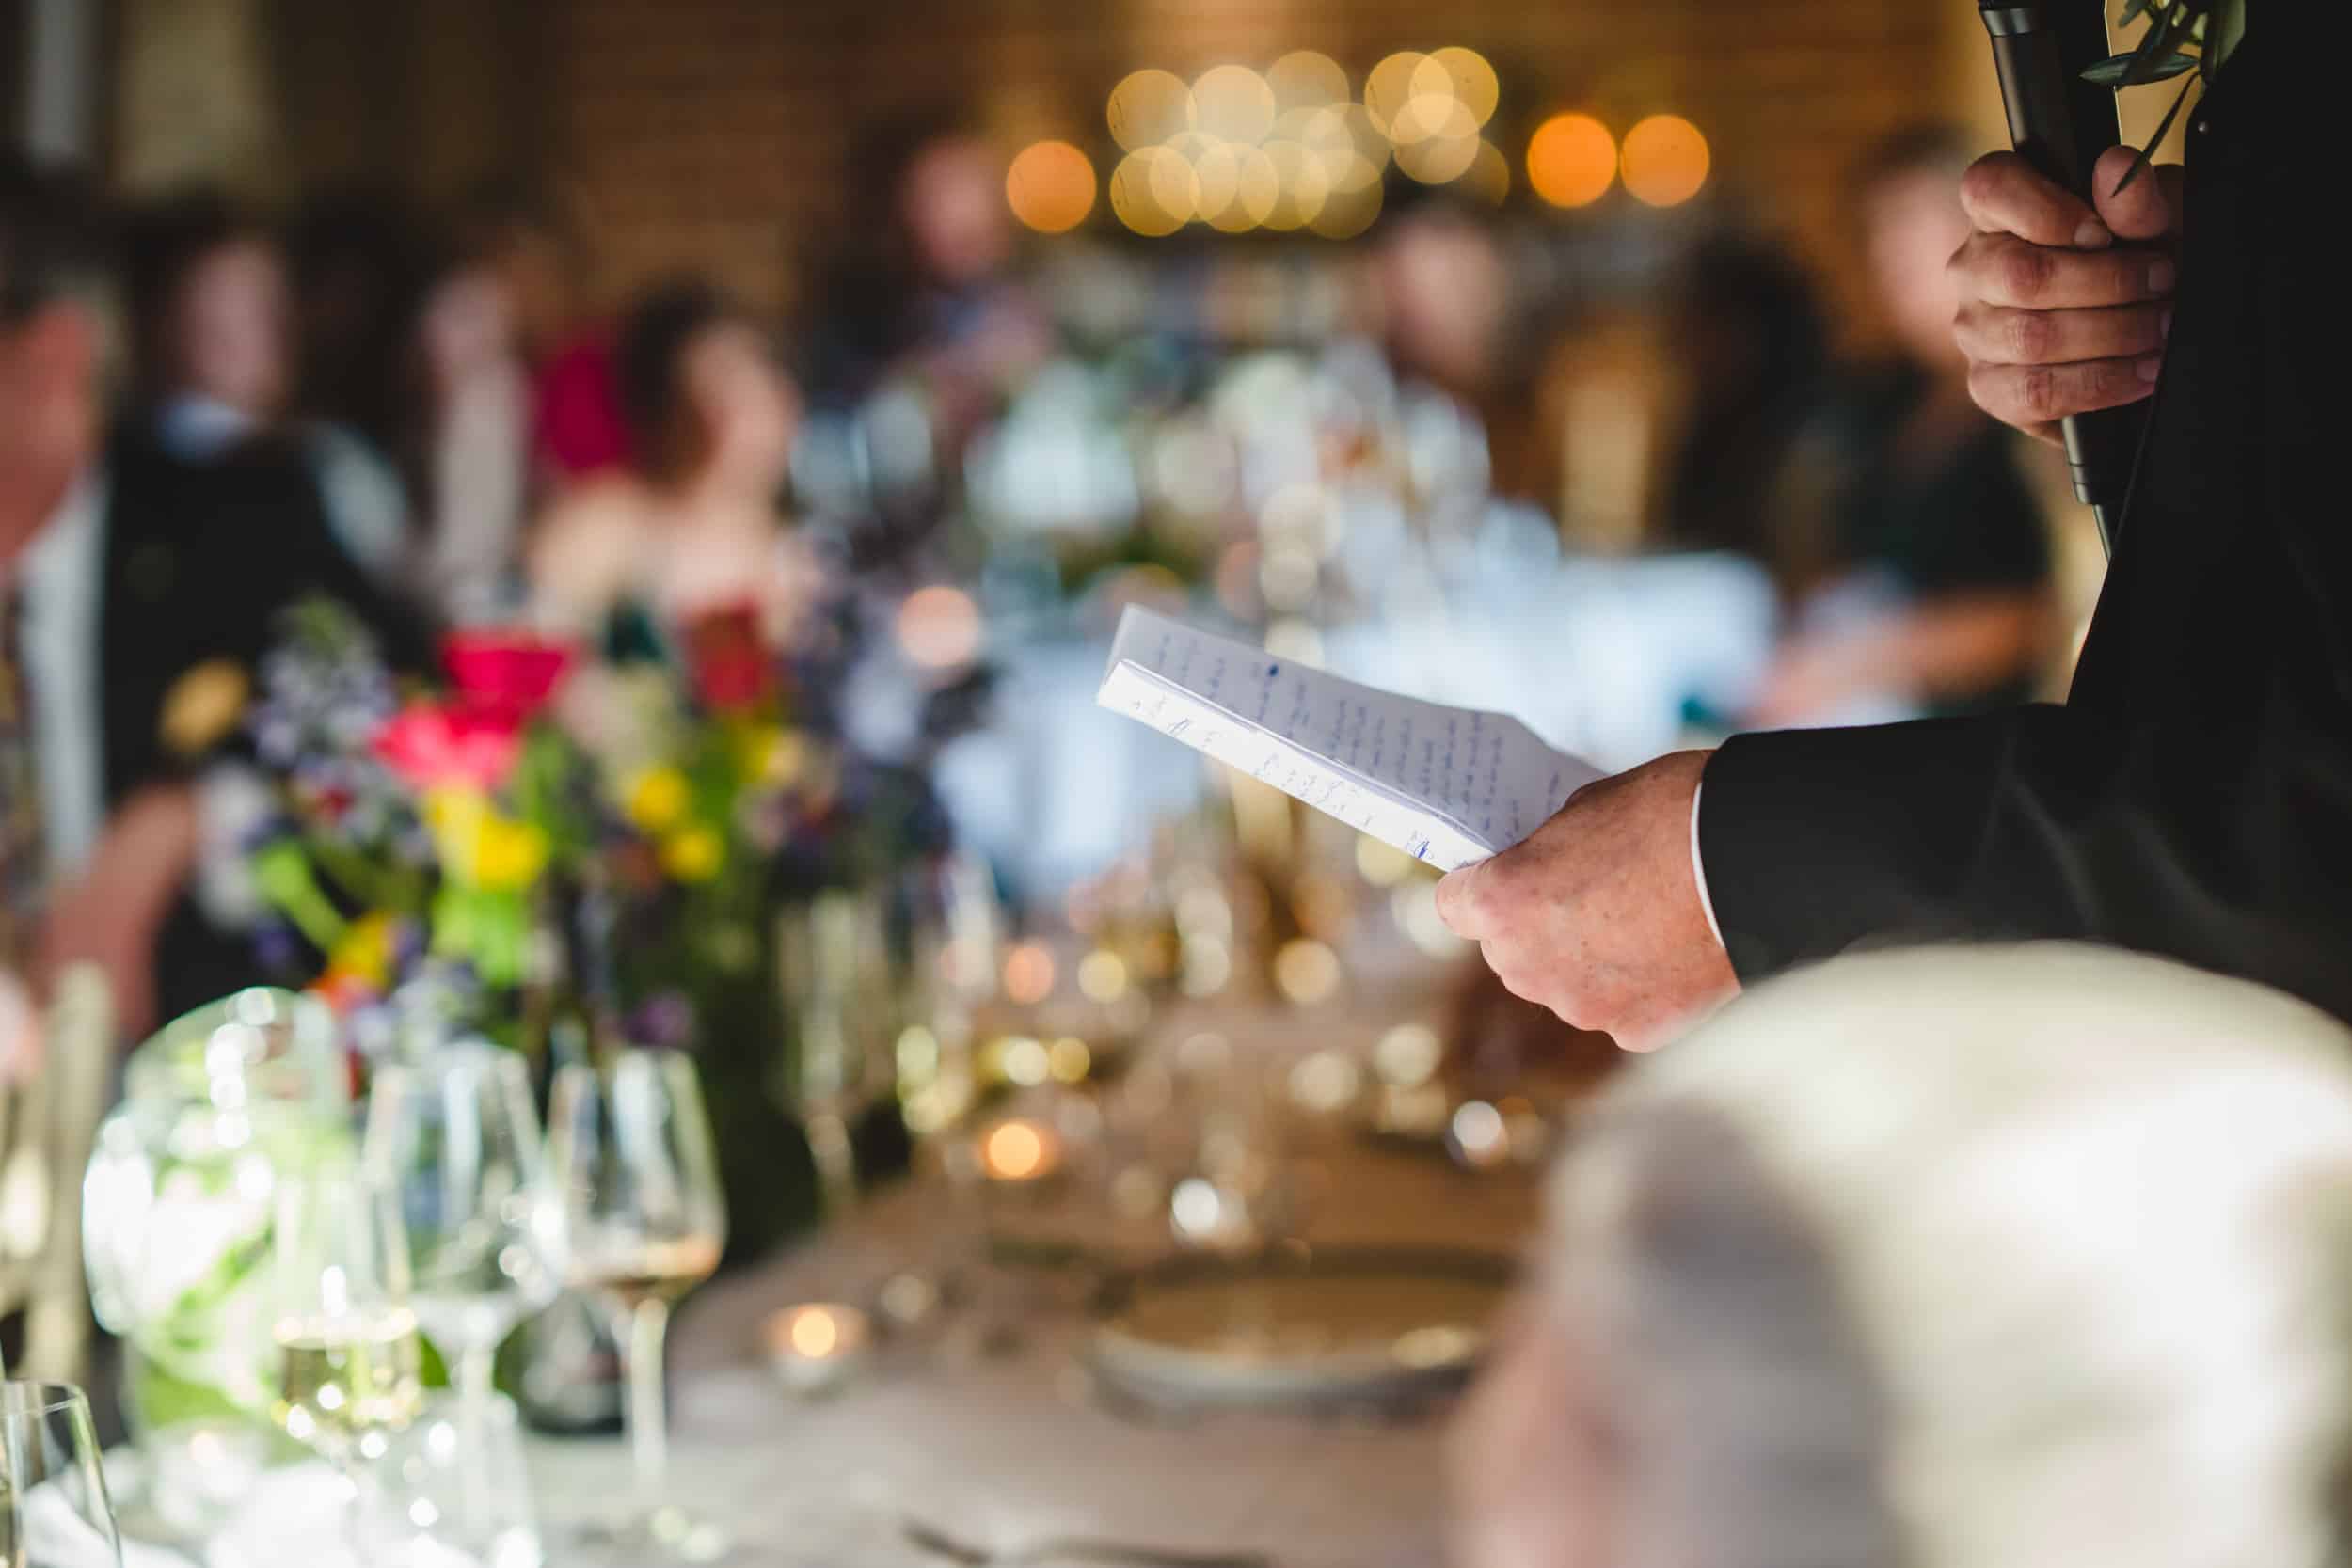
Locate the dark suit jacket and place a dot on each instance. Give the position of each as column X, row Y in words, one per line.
column 2193, row 796
column 199, row 562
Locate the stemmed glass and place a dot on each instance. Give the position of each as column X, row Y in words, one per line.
column 631, row 1151
column 53, row 1510
column 455, row 1137
column 349, row 1372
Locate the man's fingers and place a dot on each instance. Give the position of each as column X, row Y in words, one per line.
column 1996, row 335
column 2035, row 394
column 1997, row 269
column 1459, row 903
column 2004, row 195
column 2150, row 208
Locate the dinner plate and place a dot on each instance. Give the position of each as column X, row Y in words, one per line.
column 1298, row 1328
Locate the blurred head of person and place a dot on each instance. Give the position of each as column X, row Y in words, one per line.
column 1982, row 1258
column 1913, row 222
column 709, row 409
column 210, row 305
column 951, row 196
column 1444, row 289
column 527, row 245
column 1746, row 334
column 359, row 268
column 53, row 313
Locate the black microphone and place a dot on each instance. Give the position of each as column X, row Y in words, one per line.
column 2060, row 124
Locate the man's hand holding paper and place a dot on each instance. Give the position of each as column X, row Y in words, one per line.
column 1580, row 889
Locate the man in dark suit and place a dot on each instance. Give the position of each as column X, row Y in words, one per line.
column 145, row 588
column 2193, row 796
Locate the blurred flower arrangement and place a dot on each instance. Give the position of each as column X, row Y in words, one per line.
column 430, row 832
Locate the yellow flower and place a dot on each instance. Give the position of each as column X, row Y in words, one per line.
column 365, row 952
column 655, row 799
column 694, row 855
column 455, row 815
column 508, row 855
column 203, row 707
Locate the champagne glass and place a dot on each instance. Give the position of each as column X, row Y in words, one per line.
column 349, row 1362
column 455, row 1137
column 630, row 1149
column 53, row 1510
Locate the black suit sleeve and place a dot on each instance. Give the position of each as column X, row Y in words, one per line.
column 2224, row 844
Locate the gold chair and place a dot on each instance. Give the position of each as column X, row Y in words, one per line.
column 47, row 1123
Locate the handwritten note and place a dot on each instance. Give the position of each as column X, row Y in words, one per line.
column 1445, row 785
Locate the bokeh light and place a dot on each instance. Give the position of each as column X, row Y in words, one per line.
column 1014, row 1151
column 1306, row 970
column 1147, row 107
column 1390, row 88
column 1304, row 79
column 1462, row 74
column 1028, row 973
column 1665, row 161
column 1155, row 192
column 939, row 627
column 1050, row 186
column 1232, row 103
column 1571, row 160
column 1489, row 177
column 1302, row 186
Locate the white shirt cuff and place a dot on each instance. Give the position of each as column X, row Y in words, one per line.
column 1698, row 867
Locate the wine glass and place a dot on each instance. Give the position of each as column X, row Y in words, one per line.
column 455, row 1136
column 630, row 1149
column 53, row 1510
column 349, row 1361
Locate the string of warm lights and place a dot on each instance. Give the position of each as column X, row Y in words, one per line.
column 1292, row 149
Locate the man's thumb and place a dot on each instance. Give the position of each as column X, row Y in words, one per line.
column 2149, row 208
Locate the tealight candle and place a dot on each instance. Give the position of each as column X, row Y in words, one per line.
column 815, row 1346
column 1019, row 1151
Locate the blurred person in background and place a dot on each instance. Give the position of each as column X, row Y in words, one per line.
column 358, row 263
column 1745, row 328
column 692, row 526
column 2059, row 1281
column 213, row 365
column 469, row 451
column 1454, row 316
column 144, row 589
column 1929, row 587
column 927, row 304
column 537, row 259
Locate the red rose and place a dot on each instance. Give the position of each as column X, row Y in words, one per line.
column 728, row 660
column 428, row 746
column 509, row 676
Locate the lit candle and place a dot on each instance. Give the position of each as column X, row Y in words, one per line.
column 815, row 1347
column 1019, row 1151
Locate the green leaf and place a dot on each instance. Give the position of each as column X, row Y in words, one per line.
column 2148, row 152
column 2111, row 71
column 2133, row 12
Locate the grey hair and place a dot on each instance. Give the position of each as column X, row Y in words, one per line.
column 1995, row 1258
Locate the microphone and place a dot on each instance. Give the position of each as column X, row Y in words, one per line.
column 2060, row 124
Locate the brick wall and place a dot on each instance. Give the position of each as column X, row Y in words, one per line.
column 713, row 130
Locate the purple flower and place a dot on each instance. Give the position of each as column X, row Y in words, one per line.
column 665, row 1021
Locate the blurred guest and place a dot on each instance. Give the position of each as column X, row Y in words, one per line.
column 692, row 526
column 538, row 260
column 1746, row 333
column 2058, row 1281
column 145, row 587
column 1936, row 590
column 470, row 453
column 212, row 334
column 927, row 302
column 1454, row 319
